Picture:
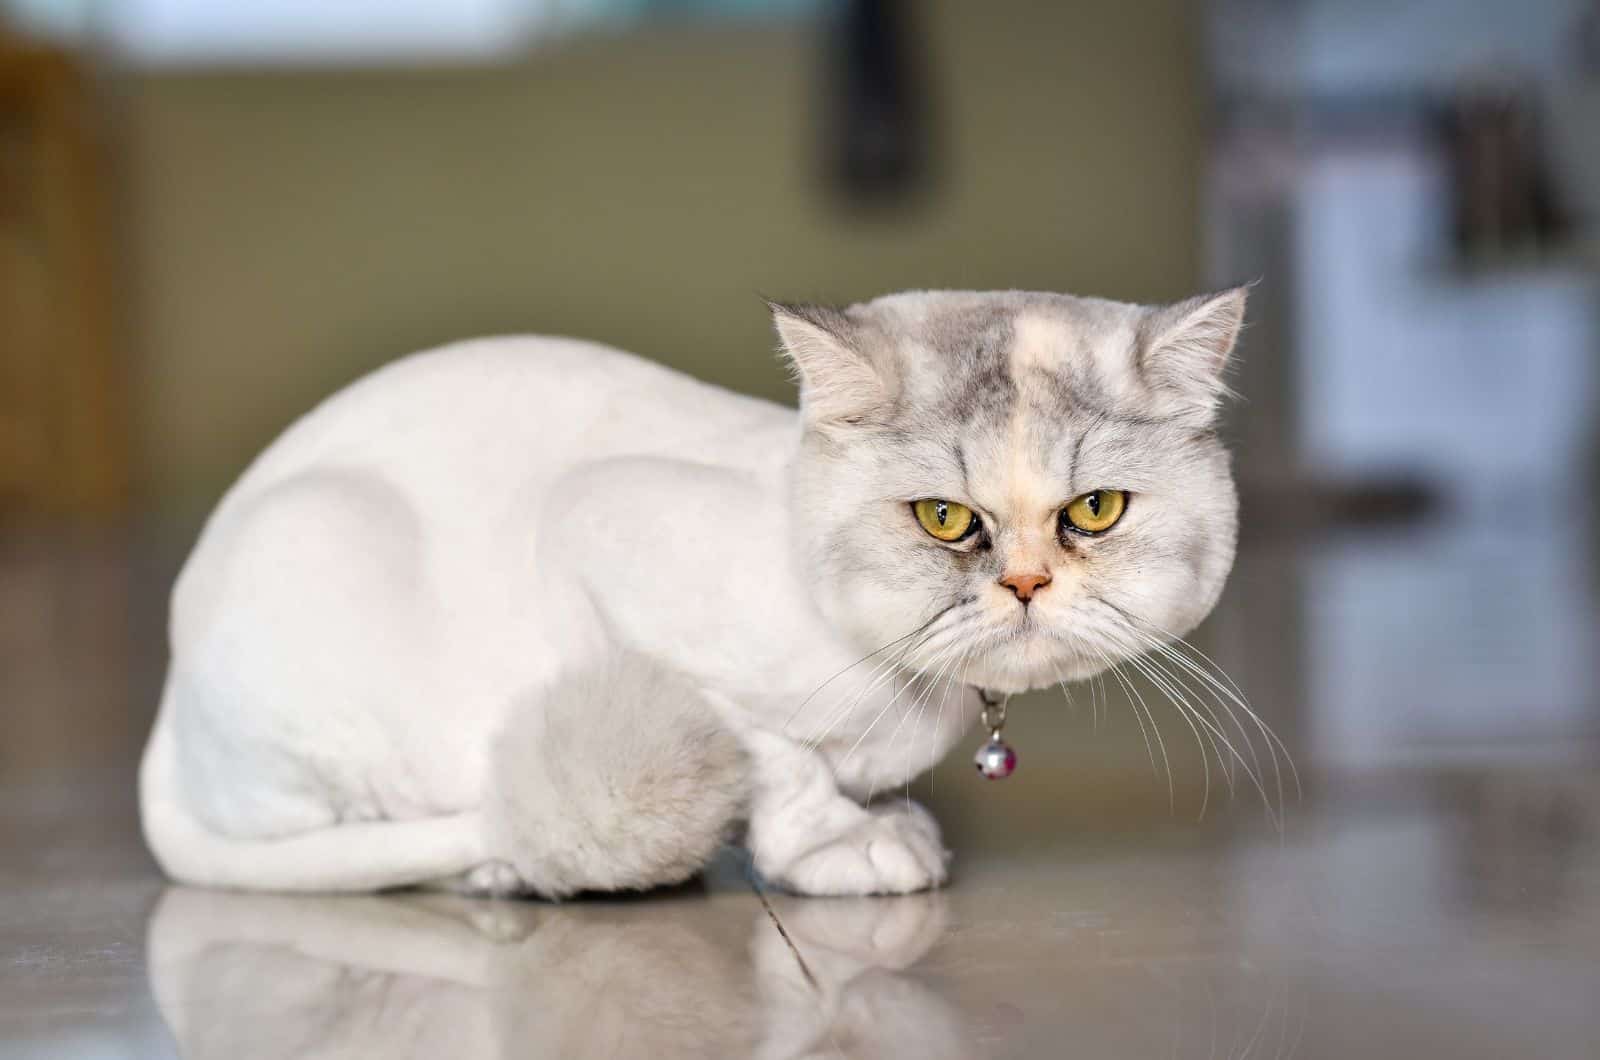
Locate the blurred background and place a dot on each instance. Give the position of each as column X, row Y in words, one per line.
column 213, row 214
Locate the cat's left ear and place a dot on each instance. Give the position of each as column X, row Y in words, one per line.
column 1184, row 347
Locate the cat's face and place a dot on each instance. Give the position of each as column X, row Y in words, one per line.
column 998, row 412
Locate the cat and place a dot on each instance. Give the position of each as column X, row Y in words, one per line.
column 536, row 616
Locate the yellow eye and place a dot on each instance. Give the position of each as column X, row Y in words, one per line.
column 945, row 520
column 1095, row 511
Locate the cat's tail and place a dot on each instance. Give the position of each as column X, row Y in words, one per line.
column 618, row 776
column 356, row 856
column 621, row 776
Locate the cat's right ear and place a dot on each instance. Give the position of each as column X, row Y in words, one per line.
column 1184, row 348
column 838, row 382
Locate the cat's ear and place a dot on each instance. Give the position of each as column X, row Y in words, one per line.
column 1184, row 348
column 838, row 382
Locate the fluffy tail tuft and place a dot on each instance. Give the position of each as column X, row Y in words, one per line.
column 619, row 777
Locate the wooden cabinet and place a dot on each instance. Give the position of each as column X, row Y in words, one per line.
column 62, row 423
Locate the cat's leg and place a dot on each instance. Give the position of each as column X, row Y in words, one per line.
column 808, row 836
column 620, row 775
column 678, row 594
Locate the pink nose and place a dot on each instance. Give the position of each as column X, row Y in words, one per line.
column 1025, row 585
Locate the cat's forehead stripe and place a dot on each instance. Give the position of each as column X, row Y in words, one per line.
column 1017, row 384
column 1036, row 344
column 990, row 363
column 1038, row 418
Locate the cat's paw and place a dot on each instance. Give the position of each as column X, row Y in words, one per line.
column 895, row 850
column 492, row 879
column 915, row 816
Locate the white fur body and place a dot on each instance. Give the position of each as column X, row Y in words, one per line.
column 431, row 550
column 535, row 615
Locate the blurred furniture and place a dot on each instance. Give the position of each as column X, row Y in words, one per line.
column 62, row 437
column 1504, row 201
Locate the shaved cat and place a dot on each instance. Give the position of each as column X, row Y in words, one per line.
column 532, row 615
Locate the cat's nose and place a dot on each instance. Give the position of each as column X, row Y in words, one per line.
column 1025, row 585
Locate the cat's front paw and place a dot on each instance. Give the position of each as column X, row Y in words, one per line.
column 895, row 850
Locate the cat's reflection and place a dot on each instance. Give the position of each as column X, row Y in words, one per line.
column 240, row 977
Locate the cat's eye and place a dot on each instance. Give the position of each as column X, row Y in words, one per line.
column 945, row 520
column 1095, row 511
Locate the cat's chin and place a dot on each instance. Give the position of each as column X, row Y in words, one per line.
column 1027, row 664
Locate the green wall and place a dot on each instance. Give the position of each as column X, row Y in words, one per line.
column 288, row 231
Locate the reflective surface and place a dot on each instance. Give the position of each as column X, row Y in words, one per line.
column 1426, row 897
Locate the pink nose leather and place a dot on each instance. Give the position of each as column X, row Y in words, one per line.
column 1025, row 585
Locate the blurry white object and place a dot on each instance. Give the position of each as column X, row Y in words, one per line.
column 311, row 32
column 1476, row 382
column 1473, row 635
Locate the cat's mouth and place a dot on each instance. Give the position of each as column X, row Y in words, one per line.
column 1021, row 653
column 1004, row 648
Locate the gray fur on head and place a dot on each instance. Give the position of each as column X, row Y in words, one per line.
column 1013, row 403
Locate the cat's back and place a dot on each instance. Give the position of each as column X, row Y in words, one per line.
column 456, row 450
column 515, row 407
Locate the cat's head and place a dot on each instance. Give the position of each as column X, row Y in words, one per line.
column 1024, row 487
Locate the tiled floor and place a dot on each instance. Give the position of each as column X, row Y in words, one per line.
column 1428, row 897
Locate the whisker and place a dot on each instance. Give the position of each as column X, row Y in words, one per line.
column 888, row 666
column 1238, row 696
column 1261, row 1026
column 890, row 670
column 1231, row 690
column 1180, row 694
column 919, row 698
column 938, row 724
column 887, row 670
column 921, row 708
column 1252, row 768
column 1197, row 699
column 1180, row 690
column 1172, row 798
column 1141, row 639
column 1167, row 651
column 840, row 673
column 1061, row 683
column 1110, row 668
column 911, row 741
column 1158, row 639
column 1221, row 694
column 1273, row 742
column 1105, row 643
column 1255, row 779
column 1094, row 705
column 921, row 671
column 1205, row 762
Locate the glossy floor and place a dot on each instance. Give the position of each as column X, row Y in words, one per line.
column 1435, row 892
